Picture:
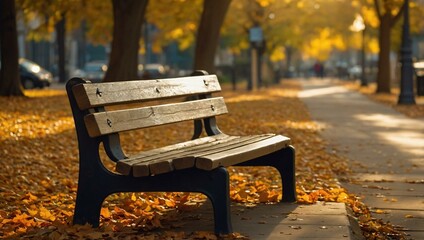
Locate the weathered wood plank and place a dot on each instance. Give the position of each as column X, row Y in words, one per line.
column 124, row 166
column 103, row 94
column 242, row 154
column 235, row 142
column 102, row 123
column 177, row 159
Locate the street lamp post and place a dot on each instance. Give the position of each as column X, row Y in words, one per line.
column 364, row 81
column 406, row 95
column 359, row 26
column 256, row 41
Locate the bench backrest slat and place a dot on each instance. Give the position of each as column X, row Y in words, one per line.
column 101, row 123
column 104, row 94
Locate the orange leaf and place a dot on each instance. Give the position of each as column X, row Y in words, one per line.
column 104, row 212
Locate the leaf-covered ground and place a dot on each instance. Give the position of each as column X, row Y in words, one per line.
column 39, row 169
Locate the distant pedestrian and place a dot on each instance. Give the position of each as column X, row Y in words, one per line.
column 319, row 70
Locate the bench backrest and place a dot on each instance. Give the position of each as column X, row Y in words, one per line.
column 95, row 97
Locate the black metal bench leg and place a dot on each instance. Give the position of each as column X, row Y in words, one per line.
column 88, row 205
column 287, row 172
column 218, row 192
column 284, row 161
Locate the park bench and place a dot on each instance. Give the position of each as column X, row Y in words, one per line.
column 197, row 165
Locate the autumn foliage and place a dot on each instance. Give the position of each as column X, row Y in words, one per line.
column 39, row 169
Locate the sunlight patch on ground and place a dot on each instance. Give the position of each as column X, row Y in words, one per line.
column 260, row 95
column 304, row 125
column 322, row 91
column 383, row 120
column 406, row 139
column 406, row 135
column 44, row 93
column 33, row 126
column 245, row 98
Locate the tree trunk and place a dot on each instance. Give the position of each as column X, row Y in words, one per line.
column 128, row 18
column 384, row 67
column 213, row 15
column 10, row 84
column 60, row 39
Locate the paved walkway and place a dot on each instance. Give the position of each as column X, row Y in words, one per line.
column 279, row 221
column 385, row 149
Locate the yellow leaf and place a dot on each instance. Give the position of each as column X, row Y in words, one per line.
column 379, row 211
column 46, row 214
column 148, row 208
column 342, row 197
column 104, row 212
column 170, row 203
column 32, row 212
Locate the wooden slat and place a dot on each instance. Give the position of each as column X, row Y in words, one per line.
column 222, row 146
column 102, row 123
column 158, row 167
column 124, row 166
column 242, row 154
column 166, row 162
column 103, row 94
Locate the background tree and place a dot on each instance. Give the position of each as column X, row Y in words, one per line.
column 60, row 39
column 388, row 13
column 128, row 18
column 9, row 73
column 213, row 15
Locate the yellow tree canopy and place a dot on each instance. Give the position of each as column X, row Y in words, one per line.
column 176, row 20
column 315, row 27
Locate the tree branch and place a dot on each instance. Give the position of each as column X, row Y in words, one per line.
column 378, row 9
column 398, row 15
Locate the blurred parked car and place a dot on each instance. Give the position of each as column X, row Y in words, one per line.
column 354, row 72
column 93, row 71
column 32, row 75
column 419, row 68
column 153, row 71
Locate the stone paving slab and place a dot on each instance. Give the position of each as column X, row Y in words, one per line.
column 411, row 220
column 279, row 221
column 386, row 188
column 394, row 202
column 317, row 221
column 390, row 177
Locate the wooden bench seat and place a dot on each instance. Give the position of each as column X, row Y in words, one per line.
column 204, row 153
column 102, row 111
